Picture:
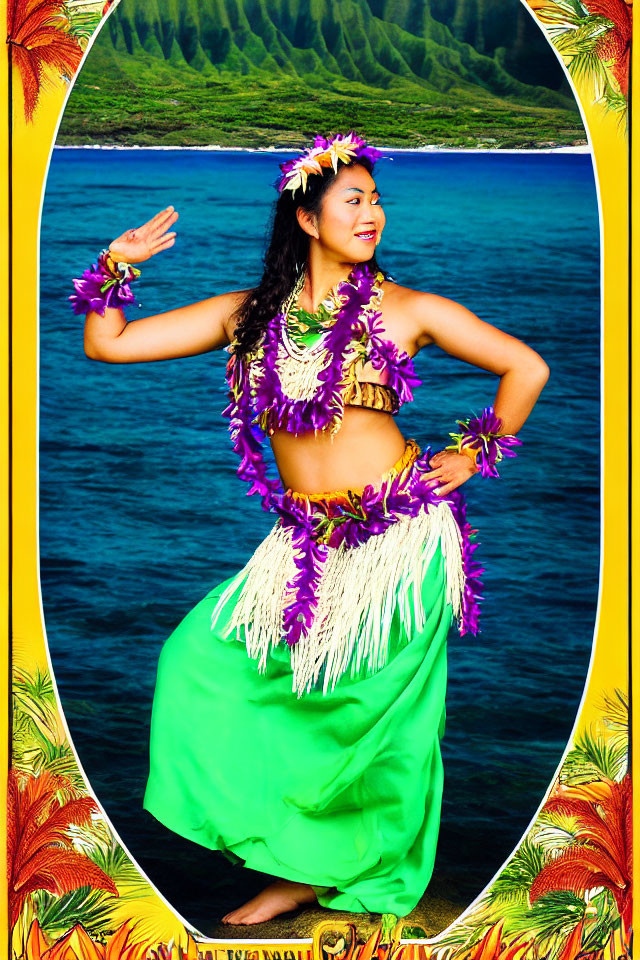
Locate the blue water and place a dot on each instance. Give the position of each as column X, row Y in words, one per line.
column 141, row 514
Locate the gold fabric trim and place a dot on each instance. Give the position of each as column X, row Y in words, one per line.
column 374, row 396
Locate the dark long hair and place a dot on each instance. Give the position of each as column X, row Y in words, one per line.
column 286, row 255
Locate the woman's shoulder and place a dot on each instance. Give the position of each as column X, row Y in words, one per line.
column 410, row 297
column 413, row 308
column 234, row 300
column 413, row 301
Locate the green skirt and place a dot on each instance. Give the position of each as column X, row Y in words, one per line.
column 342, row 791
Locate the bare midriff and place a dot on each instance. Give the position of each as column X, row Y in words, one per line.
column 366, row 446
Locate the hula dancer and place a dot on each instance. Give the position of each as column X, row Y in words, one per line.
column 299, row 706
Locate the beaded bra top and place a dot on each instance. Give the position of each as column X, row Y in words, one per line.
column 302, row 330
column 304, row 371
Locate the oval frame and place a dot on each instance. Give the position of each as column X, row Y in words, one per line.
column 605, row 705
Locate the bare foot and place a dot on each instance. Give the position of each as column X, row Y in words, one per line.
column 278, row 897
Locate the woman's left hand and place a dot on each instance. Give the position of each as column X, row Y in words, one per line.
column 451, row 469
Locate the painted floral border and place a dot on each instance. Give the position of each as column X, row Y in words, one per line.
column 74, row 893
column 593, row 37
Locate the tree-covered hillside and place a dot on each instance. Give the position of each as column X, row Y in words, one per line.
column 258, row 72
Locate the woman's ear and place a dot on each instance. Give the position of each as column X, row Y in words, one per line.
column 307, row 222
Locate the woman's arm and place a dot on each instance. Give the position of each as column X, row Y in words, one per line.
column 522, row 371
column 183, row 332
column 455, row 329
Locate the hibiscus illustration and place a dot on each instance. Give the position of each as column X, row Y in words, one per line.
column 600, row 854
column 615, row 43
column 594, row 39
column 41, row 44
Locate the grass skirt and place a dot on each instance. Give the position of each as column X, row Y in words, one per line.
column 339, row 789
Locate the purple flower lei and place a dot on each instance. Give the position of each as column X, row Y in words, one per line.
column 352, row 521
column 256, row 413
column 472, row 595
column 253, row 414
column 383, row 353
column 301, row 416
column 105, row 284
column 493, row 445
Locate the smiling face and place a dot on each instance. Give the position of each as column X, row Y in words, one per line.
column 351, row 219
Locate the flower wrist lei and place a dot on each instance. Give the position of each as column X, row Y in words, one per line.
column 105, row 284
column 480, row 436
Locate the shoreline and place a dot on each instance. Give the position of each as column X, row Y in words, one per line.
column 581, row 149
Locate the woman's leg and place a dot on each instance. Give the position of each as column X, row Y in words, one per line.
column 337, row 795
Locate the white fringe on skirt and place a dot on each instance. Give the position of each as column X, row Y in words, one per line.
column 357, row 596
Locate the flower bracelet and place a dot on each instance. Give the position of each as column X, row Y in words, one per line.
column 104, row 285
column 493, row 445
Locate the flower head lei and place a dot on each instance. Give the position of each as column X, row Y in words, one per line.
column 324, row 153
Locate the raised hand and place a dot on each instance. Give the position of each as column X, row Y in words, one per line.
column 141, row 243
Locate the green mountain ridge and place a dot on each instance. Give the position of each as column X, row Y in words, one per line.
column 385, row 62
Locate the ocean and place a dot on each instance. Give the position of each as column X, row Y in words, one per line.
column 141, row 512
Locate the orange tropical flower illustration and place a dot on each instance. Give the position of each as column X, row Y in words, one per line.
column 40, row 41
column 571, row 948
column 372, row 949
column 594, row 39
column 76, row 944
column 615, row 43
column 40, row 854
column 416, row 951
column 493, row 946
column 36, row 943
column 600, row 855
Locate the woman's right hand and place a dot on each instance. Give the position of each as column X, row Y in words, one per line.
column 141, row 243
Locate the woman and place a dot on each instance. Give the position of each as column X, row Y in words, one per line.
column 299, row 706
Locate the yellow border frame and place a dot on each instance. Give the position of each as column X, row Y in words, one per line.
column 634, row 443
column 618, row 618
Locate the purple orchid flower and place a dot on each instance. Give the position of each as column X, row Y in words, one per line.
column 493, row 447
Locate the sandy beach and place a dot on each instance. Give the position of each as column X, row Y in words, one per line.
column 580, row 148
